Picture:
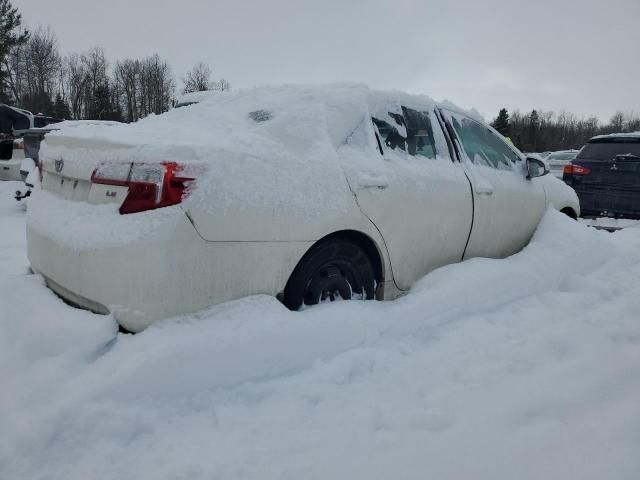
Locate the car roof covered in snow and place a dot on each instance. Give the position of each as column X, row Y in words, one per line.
column 615, row 135
column 290, row 144
column 251, row 120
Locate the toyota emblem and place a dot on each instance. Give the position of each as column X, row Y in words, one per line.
column 59, row 164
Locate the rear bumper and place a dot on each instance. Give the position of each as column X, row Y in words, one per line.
column 170, row 273
column 612, row 203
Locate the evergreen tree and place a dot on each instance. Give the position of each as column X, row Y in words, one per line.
column 10, row 37
column 501, row 122
column 38, row 102
column 61, row 108
column 534, row 126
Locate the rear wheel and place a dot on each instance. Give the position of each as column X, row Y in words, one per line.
column 569, row 213
column 333, row 270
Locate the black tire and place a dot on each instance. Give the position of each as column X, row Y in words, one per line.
column 330, row 270
column 569, row 213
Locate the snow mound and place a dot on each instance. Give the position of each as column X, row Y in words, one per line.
column 518, row 368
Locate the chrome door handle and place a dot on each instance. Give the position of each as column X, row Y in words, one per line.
column 486, row 192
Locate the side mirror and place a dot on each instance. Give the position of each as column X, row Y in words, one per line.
column 536, row 168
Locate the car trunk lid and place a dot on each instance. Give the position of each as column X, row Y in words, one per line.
column 619, row 173
column 606, row 176
column 611, row 163
column 67, row 173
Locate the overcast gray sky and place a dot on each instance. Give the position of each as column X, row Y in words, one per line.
column 579, row 56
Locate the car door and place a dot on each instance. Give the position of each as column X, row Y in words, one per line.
column 414, row 193
column 507, row 205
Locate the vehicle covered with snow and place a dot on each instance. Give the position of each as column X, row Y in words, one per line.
column 308, row 193
column 606, row 175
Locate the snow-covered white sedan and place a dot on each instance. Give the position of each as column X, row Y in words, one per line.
column 307, row 193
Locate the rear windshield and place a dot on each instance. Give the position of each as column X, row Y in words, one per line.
column 608, row 150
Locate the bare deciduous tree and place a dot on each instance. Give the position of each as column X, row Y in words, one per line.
column 128, row 76
column 157, row 86
column 11, row 37
column 198, row 79
column 221, row 85
column 42, row 65
column 75, row 77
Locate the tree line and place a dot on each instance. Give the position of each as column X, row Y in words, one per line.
column 542, row 131
column 34, row 75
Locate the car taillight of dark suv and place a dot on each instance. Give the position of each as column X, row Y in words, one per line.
column 606, row 176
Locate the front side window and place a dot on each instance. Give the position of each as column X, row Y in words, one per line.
column 481, row 145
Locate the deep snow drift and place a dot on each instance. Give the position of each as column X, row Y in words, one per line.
column 521, row 368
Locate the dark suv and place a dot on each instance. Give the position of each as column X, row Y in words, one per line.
column 606, row 176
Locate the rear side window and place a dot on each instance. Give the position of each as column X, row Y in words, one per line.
column 481, row 145
column 419, row 139
column 388, row 134
column 608, row 150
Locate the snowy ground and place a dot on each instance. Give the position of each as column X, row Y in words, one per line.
column 524, row 368
column 611, row 223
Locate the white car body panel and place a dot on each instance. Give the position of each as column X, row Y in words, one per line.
column 149, row 278
column 253, row 219
column 507, row 205
column 422, row 206
column 230, row 239
column 507, row 210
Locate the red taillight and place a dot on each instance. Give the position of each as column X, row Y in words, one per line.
column 573, row 169
column 151, row 185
